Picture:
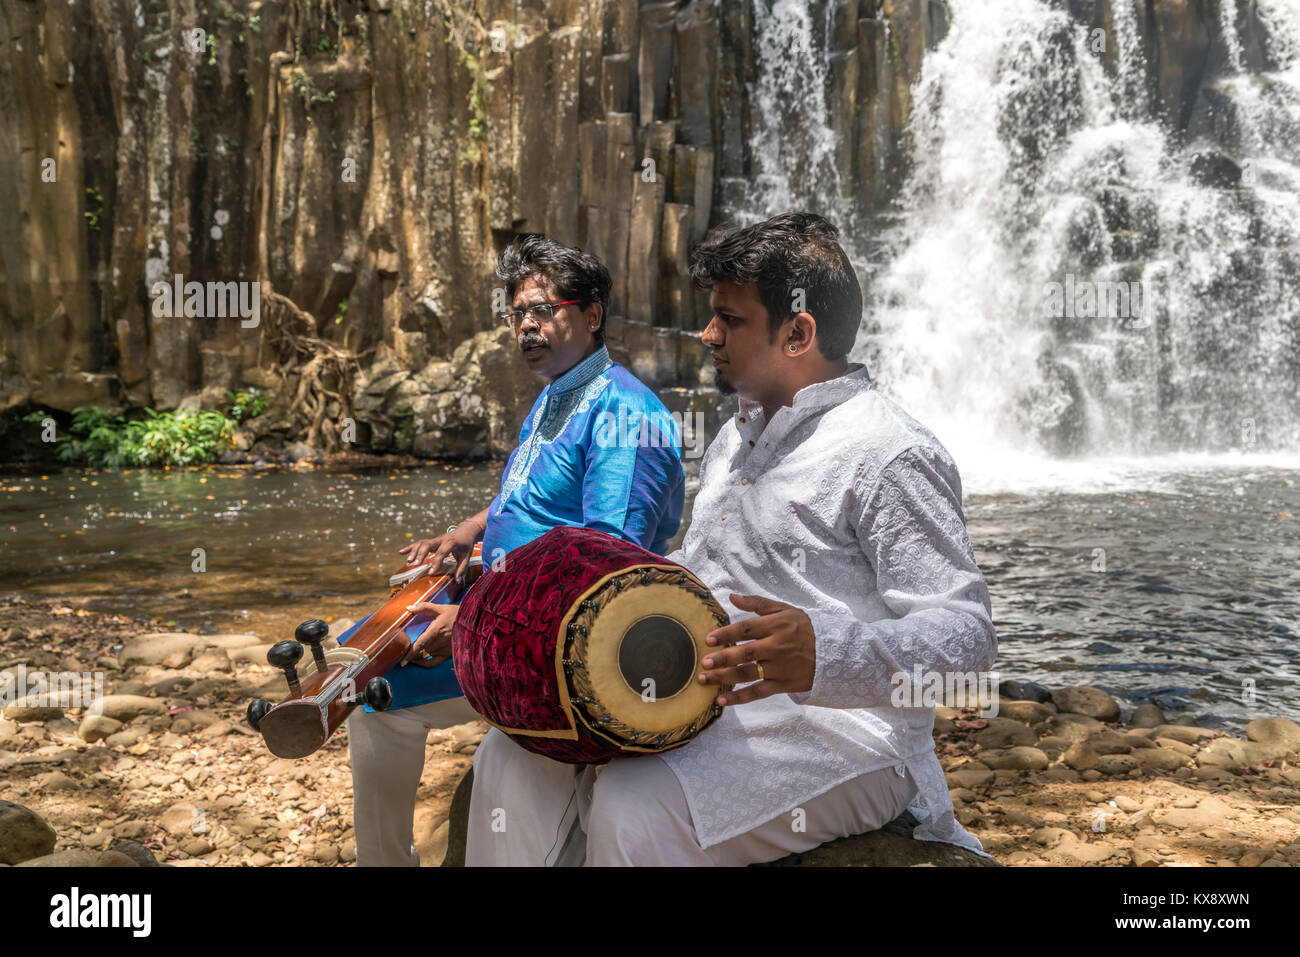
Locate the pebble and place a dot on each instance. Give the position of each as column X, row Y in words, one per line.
column 126, row 707
column 1085, row 700
column 179, row 818
column 114, row 859
column 67, row 858
column 23, row 834
column 1116, row 764
column 56, row 781
column 1080, row 756
column 1027, row 712
column 1060, row 775
column 326, row 853
column 1005, row 733
column 32, row 709
column 1075, row 727
column 215, row 660
column 1048, row 836
column 970, row 778
column 1147, row 716
column 175, row 649
column 1111, row 742
column 1280, row 732
column 1178, row 732
column 1016, row 759
column 1159, row 759
column 97, row 727
column 197, row 847
column 1076, row 852
column 1023, row 691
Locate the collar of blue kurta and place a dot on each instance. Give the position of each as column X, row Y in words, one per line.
column 819, row 395
column 582, row 373
column 568, row 395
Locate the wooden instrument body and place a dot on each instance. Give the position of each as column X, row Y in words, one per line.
column 303, row 722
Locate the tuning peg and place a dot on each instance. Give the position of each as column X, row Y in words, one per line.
column 378, row 694
column 257, row 710
column 285, row 655
column 312, row 632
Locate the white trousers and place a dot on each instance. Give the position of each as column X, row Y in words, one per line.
column 527, row 810
column 387, row 752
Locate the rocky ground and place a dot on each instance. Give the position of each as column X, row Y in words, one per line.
column 1061, row 781
column 172, row 774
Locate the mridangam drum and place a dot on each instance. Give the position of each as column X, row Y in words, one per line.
column 581, row 646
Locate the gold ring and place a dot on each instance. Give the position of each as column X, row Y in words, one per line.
column 759, row 666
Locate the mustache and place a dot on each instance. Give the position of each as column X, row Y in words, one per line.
column 532, row 339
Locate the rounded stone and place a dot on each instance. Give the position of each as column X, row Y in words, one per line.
column 1092, row 702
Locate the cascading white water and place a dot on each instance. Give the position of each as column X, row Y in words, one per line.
column 794, row 146
column 1031, row 167
column 1036, row 168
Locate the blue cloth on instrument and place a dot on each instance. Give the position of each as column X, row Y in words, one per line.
column 598, row 449
column 414, row 684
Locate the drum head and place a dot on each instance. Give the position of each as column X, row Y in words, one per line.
column 640, row 655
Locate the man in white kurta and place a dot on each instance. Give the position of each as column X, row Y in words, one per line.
column 839, row 512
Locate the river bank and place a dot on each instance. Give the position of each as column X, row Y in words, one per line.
column 173, row 774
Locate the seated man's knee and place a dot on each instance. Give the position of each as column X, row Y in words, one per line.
column 636, row 803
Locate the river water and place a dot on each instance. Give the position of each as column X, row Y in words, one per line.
column 1172, row 581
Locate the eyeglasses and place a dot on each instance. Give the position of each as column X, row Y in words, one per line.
column 539, row 312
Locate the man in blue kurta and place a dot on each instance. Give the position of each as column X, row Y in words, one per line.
column 598, row 449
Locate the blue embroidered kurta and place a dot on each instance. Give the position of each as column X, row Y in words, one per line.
column 598, row 449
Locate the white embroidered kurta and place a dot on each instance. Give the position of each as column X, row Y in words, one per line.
column 845, row 507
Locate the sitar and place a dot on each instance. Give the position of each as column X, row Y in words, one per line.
column 324, row 689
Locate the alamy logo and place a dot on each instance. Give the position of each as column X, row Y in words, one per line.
column 1101, row 299
column 57, row 689
column 632, row 428
column 75, row 910
column 212, row 300
column 956, row 689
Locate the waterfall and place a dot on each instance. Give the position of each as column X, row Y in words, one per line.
column 1042, row 181
column 793, row 146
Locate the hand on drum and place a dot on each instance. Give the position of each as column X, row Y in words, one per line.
column 436, row 640
column 778, row 653
column 457, row 543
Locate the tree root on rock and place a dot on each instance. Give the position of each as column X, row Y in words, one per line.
column 325, row 371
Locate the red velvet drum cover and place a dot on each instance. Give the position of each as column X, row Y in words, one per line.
column 504, row 643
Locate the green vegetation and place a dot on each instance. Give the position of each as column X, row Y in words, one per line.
column 161, row 438
column 342, row 313
column 95, row 204
column 404, row 426
column 247, row 405
column 101, row 440
column 306, row 88
column 253, row 23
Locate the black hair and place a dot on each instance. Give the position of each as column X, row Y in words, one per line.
column 574, row 273
column 784, row 255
